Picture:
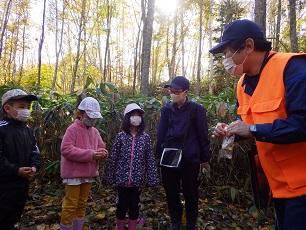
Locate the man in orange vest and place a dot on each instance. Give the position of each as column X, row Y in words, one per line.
column 272, row 108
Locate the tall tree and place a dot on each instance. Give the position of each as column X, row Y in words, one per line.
column 174, row 46
column 292, row 22
column 41, row 42
column 23, row 53
column 5, row 18
column 58, row 37
column 81, row 26
column 182, row 37
column 146, row 47
column 278, row 25
column 260, row 13
column 197, row 93
column 108, row 33
column 210, row 85
column 136, row 49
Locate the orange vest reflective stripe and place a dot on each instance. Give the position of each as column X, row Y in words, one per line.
column 284, row 164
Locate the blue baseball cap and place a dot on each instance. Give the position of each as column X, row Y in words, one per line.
column 179, row 82
column 238, row 30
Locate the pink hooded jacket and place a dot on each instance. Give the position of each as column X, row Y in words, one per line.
column 77, row 148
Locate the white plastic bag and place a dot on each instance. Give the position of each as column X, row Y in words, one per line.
column 227, row 146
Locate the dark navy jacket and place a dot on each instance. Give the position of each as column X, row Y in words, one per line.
column 172, row 127
column 18, row 149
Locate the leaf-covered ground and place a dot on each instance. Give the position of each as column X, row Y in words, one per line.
column 216, row 209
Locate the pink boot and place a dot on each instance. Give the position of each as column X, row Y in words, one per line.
column 142, row 222
column 78, row 224
column 133, row 224
column 120, row 224
column 65, row 227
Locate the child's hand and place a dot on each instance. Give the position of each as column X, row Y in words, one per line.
column 104, row 154
column 97, row 154
column 25, row 172
column 100, row 154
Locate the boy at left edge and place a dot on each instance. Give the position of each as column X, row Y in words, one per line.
column 19, row 155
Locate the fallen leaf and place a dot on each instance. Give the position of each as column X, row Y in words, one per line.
column 100, row 215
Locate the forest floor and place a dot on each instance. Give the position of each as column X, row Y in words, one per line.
column 43, row 209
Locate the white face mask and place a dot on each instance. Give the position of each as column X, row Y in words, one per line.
column 231, row 67
column 135, row 120
column 22, row 114
column 176, row 98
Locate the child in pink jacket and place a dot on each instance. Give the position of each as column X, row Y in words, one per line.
column 82, row 148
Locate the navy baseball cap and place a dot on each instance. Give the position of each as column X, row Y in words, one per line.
column 179, row 82
column 238, row 30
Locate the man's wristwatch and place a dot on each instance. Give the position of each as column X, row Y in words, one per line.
column 253, row 130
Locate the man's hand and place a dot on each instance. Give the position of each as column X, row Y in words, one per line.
column 26, row 172
column 239, row 128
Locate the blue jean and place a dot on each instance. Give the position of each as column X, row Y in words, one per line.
column 290, row 213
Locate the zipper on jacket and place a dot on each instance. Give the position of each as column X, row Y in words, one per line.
column 131, row 162
column 88, row 134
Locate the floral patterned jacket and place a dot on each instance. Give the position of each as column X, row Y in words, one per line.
column 132, row 161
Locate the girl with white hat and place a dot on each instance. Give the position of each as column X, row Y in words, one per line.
column 82, row 147
column 131, row 165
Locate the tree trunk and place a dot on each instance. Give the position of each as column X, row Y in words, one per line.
column 197, row 93
column 109, row 63
column 15, row 51
column 174, row 47
column 5, row 21
column 182, row 36
column 260, row 13
column 211, row 69
column 136, row 62
column 84, row 75
column 77, row 58
column 146, row 49
column 100, row 56
column 41, row 42
column 167, row 49
column 58, row 49
column 292, row 20
column 278, row 24
column 108, row 29
column 23, row 52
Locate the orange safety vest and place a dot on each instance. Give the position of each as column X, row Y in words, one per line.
column 283, row 164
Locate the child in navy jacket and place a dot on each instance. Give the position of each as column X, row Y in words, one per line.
column 19, row 155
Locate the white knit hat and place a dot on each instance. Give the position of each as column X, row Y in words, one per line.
column 91, row 107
